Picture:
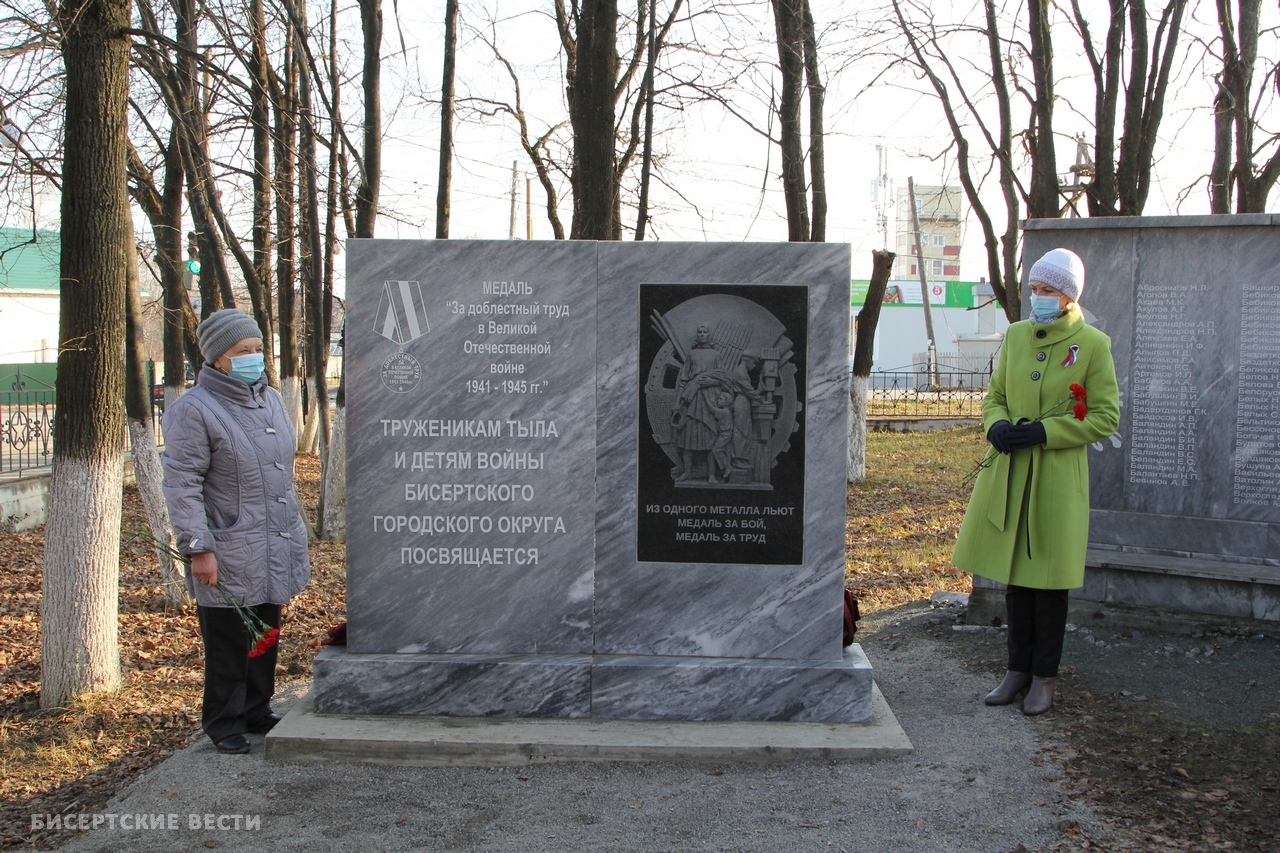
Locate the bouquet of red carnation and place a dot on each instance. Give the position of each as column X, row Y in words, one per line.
column 264, row 636
column 1076, row 395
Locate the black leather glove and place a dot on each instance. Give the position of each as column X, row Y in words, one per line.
column 1023, row 436
column 998, row 435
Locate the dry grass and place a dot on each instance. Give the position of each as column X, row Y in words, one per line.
column 902, row 519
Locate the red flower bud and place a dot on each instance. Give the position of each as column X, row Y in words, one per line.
column 1080, row 411
column 1077, row 391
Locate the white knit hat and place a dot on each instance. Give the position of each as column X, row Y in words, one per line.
column 1063, row 269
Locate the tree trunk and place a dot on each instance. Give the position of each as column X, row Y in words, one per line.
column 179, row 318
column 817, row 132
column 146, row 458
column 188, row 112
column 80, row 583
column 260, row 118
column 863, row 350
column 646, row 156
column 312, row 285
column 788, row 16
column 445, row 180
column 1235, row 175
column 332, row 520
column 371, row 171
column 1042, row 201
column 286, row 134
column 592, row 115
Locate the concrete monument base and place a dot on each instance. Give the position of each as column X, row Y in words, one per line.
column 305, row 735
column 607, row 687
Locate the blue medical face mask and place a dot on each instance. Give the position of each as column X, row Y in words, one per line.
column 1044, row 309
column 247, row 368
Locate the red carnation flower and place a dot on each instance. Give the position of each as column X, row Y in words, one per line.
column 1077, row 391
column 1080, row 411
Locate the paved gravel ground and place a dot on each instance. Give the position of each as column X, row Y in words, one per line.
column 980, row 779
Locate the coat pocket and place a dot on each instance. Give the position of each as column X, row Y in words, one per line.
column 240, row 564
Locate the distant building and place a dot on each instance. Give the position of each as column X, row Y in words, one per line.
column 29, row 289
column 939, row 211
column 968, row 322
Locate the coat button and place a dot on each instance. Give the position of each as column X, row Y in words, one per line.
column 1041, row 333
column 1035, row 375
column 1040, row 356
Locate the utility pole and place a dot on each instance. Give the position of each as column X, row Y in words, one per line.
column 924, row 286
column 528, row 208
column 515, row 177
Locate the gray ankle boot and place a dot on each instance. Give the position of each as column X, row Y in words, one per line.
column 1040, row 696
column 1013, row 684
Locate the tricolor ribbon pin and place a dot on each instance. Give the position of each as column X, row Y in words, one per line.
column 1071, row 355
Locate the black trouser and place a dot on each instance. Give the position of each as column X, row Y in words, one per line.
column 237, row 688
column 1037, row 624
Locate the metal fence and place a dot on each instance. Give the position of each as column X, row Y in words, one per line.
column 914, row 394
column 27, row 408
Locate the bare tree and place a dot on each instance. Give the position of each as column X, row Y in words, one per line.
column 536, row 148
column 317, row 350
column 863, row 350
column 927, row 53
column 817, row 129
column 1121, row 177
column 79, row 607
column 1042, row 200
column 285, row 141
column 1242, row 169
column 142, row 442
column 590, row 34
column 446, row 118
column 789, row 22
column 371, row 171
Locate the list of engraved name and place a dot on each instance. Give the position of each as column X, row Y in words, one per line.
column 1257, row 452
column 1170, row 335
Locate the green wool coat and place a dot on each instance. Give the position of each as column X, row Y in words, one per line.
column 1028, row 518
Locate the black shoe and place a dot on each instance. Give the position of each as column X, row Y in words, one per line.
column 264, row 725
column 232, row 745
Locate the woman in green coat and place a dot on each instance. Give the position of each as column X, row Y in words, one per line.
column 1053, row 393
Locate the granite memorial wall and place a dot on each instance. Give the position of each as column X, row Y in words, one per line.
column 596, row 480
column 1186, row 494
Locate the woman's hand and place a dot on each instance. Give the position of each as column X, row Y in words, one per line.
column 998, row 435
column 204, row 568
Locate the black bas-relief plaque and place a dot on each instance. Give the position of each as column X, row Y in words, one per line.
column 721, row 452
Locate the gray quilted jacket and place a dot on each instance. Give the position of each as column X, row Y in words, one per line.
column 228, row 481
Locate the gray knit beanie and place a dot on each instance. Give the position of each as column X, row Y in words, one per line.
column 222, row 330
column 1063, row 269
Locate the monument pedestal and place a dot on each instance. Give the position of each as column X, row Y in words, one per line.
column 603, row 687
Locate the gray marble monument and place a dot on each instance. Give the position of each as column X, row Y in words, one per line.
column 596, row 480
column 1186, row 494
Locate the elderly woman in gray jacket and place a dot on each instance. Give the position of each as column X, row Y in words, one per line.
column 228, row 481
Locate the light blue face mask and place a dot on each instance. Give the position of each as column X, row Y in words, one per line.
column 1044, row 309
column 247, row 368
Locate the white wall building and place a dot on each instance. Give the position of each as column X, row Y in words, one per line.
column 29, row 289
